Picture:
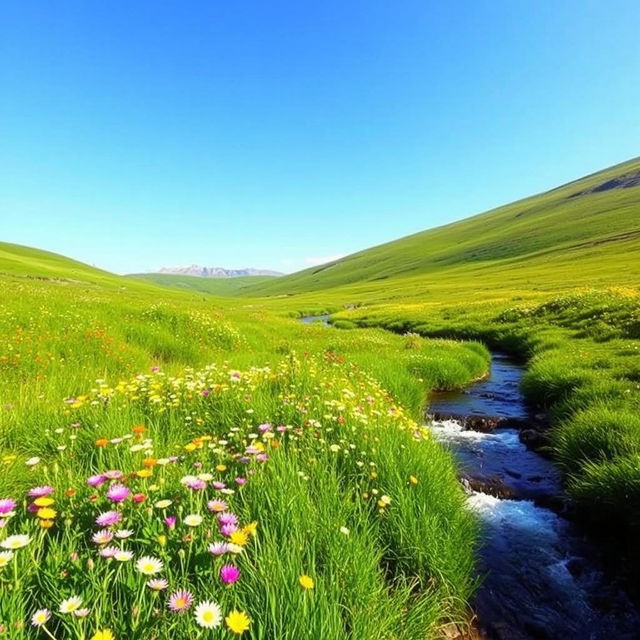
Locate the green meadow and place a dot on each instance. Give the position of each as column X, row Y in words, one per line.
column 160, row 435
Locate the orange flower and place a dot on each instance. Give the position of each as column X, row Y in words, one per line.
column 102, row 442
column 139, row 429
column 70, row 493
column 149, row 462
column 46, row 524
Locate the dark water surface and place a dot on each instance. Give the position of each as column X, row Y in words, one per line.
column 543, row 579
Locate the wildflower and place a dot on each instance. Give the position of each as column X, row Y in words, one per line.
column 96, row 481
column 32, row 462
column 306, row 582
column 81, row 613
column 102, row 442
column 70, row 604
column 162, row 540
column 217, row 506
column 208, row 615
column 40, row 617
column 43, row 502
column 108, row 518
column 149, row 566
column 46, row 524
column 46, row 513
column 144, row 473
column 218, row 548
column 123, row 556
column 384, row 501
column 345, row 531
column 5, row 558
column 234, row 548
column 237, row 622
column 157, row 584
column 122, row 534
column 193, row 520
column 221, row 467
column 241, row 481
column 239, row 537
column 139, row 429
column 108, row 552
column 104, row 536
column 139, row 498
column 15, row 542
column 103, row 634
column 40, row 492
column 413, row 480
column 229, row 574
column 180, row 601
column 170, row 521
column 163, row 504
column 228, row 519
column 7, row 505
column 118, row 493
column 113, row 474
column 218, row 485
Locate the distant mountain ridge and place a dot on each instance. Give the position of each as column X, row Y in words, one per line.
column 217, row 272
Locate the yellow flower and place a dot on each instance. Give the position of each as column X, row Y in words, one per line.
column 238, row 622
column 306, row 582
column 221, row 467
column 239, row 537
column 190, row 447
column 46, row 524
column 162, row 540
column 104, row 634
column 46, row 513
column 144, row 473
column 413, row 480
column 43, row 502
column 250, row 528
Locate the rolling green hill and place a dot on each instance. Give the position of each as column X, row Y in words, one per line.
column 586, row 232
column 214, row 286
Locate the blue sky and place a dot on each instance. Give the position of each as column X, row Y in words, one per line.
column 278, row 134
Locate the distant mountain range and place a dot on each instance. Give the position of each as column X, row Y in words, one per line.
column 217, row 272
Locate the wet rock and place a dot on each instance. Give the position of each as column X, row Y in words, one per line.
column 493, row 486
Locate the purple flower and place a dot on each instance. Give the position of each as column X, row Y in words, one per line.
column 170, row 521
column 205, row 392
column 7, row 505
column 228, row 529
column 197, row 485
column 240, row 481
column 108, row 518
column 228, row 519
column 118, row 493
column 229, row 574
column 40, row 492
column 96, row 481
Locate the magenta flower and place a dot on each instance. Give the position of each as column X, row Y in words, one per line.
column 108, row 518
column 229, row 574
column 170, row 521
column 32, row 508
column 40, row 492
column 218, row 548
column 227, row 529
column 180, row 601
column 197, row 485
column 7, row 505
column 118, row 493
column 96, row 481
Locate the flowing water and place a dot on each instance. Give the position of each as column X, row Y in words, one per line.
column 542, row 578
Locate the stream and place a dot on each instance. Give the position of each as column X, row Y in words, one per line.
column 541, row 577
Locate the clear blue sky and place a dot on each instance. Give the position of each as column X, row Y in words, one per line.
column 279, row 133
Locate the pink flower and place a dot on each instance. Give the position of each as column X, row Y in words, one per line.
column 108, row 518
column 240, row 481
column 228, row 529
column 217, row 506
column 228, row 519
column 118, row 493
column 170, row 521
column 263, row 428
column 96, row 481
column 139, row 497
column 229, row 574
column 180, row 601
column 218, row 485
column 40, row 492
column 114, row 474
column 197, row 485
column 108, row 552
column 7, row 505
column 218, row 548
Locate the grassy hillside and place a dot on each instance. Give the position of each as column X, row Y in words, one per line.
column 585, row 232
column 213, row 286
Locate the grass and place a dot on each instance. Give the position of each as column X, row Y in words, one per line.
column 213, row 286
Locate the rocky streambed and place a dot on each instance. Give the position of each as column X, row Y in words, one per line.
column 542, row 579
